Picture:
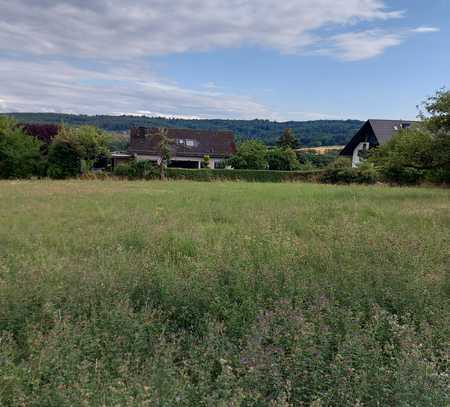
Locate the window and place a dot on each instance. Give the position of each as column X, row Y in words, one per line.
column 405, row 125
column 190, row 143
column 180, row 141
column 219, row 164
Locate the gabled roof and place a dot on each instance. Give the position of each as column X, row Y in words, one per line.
column 376, row 132
column 385, row 129
column 185, row 142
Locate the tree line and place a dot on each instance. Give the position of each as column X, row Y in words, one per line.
column 311, row 133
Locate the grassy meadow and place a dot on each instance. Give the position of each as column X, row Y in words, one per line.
column 116, row 293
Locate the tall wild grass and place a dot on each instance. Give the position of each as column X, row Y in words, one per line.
column 182, row 293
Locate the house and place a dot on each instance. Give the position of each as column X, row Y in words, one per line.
column 189, row 147
column 373, row 133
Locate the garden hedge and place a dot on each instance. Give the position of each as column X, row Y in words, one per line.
column 244, row 175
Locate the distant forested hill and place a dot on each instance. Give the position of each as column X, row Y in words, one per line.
column 310, row 133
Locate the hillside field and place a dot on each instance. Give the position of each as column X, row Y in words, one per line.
column 116, row 293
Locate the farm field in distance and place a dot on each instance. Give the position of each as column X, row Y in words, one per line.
column 223, row 293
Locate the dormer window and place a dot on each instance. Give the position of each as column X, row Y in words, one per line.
column 186, row 142
column 405, row 125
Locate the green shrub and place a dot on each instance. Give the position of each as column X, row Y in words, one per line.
column 19, row 153
column 340, row 174
column 137, row 170
column 438, row 175
column 282, row 159
column 241, row 175
column 64, row 160
column 316, row 160
column 122, row 170
column 402, row 175
column 341, row 162
column 251, row 155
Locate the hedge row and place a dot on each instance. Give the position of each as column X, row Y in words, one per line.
column 244, row 175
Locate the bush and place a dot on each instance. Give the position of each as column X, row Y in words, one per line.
column 405, row 157
column 282, row 159
column 19, row 153
column 402, row 175
column 438, row 176
column 93, row 145
column 339, row 174
column 64, row 160
column 122, row 170
column 137, row 170
column 316, row 160
column 251, row 155
column 241, row 175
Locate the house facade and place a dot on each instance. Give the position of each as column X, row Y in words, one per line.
column 373, row 133
column 188, row 147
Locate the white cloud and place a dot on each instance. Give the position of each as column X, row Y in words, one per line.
column 424, row 29
column 125, row 28
column 356, row 46
column 113, row 37
column 55, row 86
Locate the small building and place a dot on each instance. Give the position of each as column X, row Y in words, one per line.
column 373, row 133
column 189, row 147
column 119, row 158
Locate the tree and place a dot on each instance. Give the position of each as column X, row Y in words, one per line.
column 64, row 155
column 405, row 157
column 438, row 123
column 164, row 151
column 19, row 153
column 438, row 109
column 283, row 159
column 422, row 151
column 251, row 155
column 93, row 146
column 288, row 139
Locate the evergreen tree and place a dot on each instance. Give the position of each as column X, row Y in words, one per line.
column 288, row 139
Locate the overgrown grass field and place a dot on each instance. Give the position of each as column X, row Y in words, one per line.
column 116, row 293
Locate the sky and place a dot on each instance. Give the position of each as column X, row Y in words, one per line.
column 234, row 59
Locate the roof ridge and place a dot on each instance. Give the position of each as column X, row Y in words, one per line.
column 391, row 120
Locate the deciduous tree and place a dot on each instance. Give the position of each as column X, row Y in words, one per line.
column 251, row 155
column 19, row 153
column 283, row 159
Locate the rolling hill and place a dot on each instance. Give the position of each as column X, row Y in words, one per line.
column 310, row 133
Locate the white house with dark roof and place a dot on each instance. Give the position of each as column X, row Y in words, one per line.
column 373, row 133
column 189, row 147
